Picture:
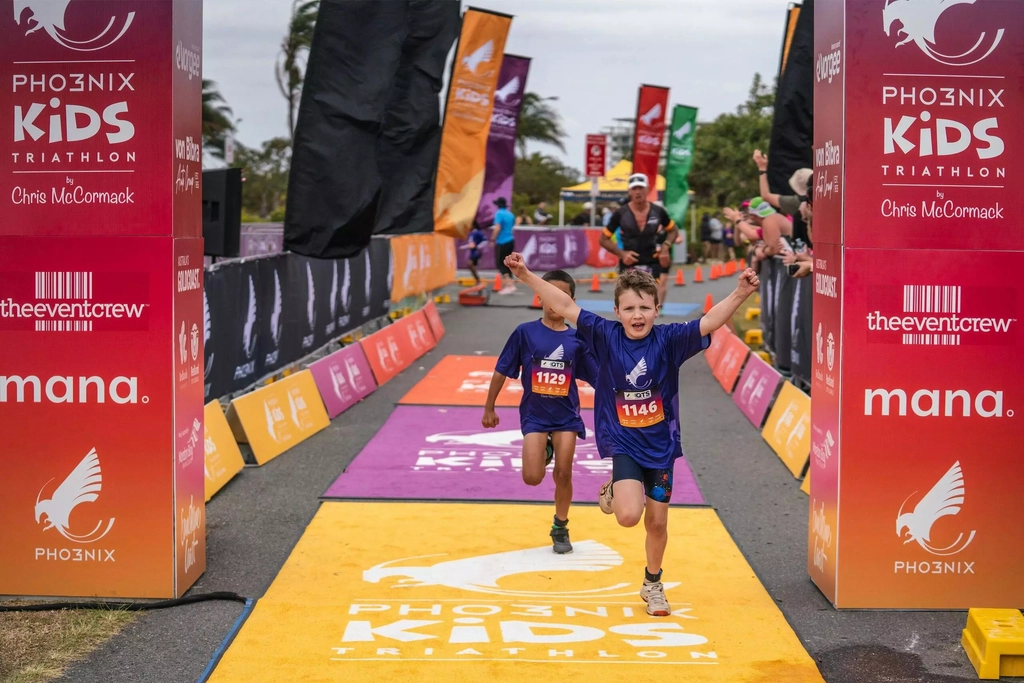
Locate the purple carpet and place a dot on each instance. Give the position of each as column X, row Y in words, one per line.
column 432, row 453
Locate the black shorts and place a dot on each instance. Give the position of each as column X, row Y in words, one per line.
column 654, row 269
column 500, row 252
column 657, row 483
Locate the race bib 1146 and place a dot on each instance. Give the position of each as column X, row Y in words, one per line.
column 639, row 408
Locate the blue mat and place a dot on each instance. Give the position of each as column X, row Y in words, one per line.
column 607, row 306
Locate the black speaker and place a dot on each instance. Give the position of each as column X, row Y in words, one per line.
column 222, row 211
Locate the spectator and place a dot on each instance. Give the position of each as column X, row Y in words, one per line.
column 583, row 217
column 715, row 235
column 728, row 240
column 541, row 215
column 523, row 218
column 705, row 236
column 504, row 242
column 766, row 224
column 606, row 215
column 788, row 204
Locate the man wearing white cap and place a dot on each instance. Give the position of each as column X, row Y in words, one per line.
column 646, row 231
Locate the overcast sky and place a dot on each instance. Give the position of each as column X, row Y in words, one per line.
column 591, row 54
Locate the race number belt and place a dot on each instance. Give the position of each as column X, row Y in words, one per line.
column 639, row 408
column 551, row 377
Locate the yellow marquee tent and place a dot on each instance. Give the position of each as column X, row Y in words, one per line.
column 611, row 185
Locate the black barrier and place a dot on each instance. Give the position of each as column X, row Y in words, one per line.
column 800, row 329
column 768, row 289
column 785, row 288
column 266, row 313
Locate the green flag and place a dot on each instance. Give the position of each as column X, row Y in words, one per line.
column 680, row 159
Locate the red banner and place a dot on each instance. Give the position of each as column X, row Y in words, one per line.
column 651, row 112
column 917, row 370
column 597, row 146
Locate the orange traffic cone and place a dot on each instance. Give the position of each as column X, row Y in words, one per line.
column 497, row 282
column 595, row 284
column 708, row 303
column 714, row 272
column 730, row 267
column 740, row 265
column 698, row 276
column 536, row 301
column 679, row 278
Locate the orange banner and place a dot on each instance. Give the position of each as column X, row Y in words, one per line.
column 467, row 121
column 223, row 458
column 734, row 353
column 275, row 418
column 788, row 429
column 421, row 263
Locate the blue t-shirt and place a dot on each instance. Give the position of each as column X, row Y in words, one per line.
column 637, row 378
column 507, row 221
column 476, row 236
column 553, row 361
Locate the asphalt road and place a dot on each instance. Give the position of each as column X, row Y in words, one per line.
column 254, row 522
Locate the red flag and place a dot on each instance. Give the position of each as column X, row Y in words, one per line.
column 651, row 110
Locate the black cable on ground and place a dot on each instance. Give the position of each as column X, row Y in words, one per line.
column 127, row 606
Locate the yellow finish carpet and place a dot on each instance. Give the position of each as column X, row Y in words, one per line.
column 459, row 593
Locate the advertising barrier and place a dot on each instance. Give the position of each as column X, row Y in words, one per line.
column 434, row 319
column 733, row 355
column 756, row 389
column 223, row 457
column 717, row 347
column 343, row 378
column 101, row 281
column 275, row 418
column 788, row 428
column 916, row 474
column 421, row 263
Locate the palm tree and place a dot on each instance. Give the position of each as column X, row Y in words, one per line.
column 539, row 122
column 217, row 121
column 290, row 69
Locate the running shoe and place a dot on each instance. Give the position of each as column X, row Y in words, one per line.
column 550, row 447
column 653, row 593
column 560, row 539
column 604, row 497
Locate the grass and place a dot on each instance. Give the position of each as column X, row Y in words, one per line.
column 39, row 646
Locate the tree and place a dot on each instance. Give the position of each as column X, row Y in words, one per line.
column 541, row 178
column 538, row 122
column 264, row 175
column 290, row 70
column 217, row 123
column 723, row 173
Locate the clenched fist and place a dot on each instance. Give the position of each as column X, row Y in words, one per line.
column 748, row 282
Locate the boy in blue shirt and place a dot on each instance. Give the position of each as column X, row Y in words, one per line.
column 552, row 357
column 636, row 404
column 476, row 237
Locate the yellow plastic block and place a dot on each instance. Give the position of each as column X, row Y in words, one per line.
column 753, row 337
column 753, row 313
column 757, row 299
column 764, row 356
column 994, row 642
column 447, row 299
column 466, row 281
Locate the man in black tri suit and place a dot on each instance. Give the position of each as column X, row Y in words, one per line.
column 647, row 231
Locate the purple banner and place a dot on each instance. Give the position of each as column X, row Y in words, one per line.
column 545, row 249
column 343, row 378
column 501, row 142
column 434, row 453
column 755, row 389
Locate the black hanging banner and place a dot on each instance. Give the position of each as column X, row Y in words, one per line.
column 792, row 137
column 356, row 89
column 410, row 141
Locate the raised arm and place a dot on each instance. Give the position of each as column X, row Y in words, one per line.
column 560, row 302
column 721, row 312
column 762, row 183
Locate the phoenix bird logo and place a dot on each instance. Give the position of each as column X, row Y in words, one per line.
column 334, row 290
column 182, row 341
column 294, row 408
column 49, row 16
column 508, row 90
column 311, row 299
column 391, row 271
column 570, row 249
column 275, row 315
column 683, row 131
column 366, row 283
column 410, row 265
column 639, row 371
column 353, row 372
column 83, row 485
column 819, row 340
column 482, row 574
column 651, row 116
column 918, row 19
column 786, row 420
column 194, row 343
column 346, row 288
column 271, row 422
column 207, row 331
column 557, row 354
column 529, row 250
column 943, row 500
column 248, row 338
column 338, row 381
column 481, row 55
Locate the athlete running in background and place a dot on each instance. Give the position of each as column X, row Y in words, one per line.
column 647, row 235
column 636, row 404
column 553, row 357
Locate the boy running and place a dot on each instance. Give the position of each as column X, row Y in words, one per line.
column 475, row 238
column 636, row 404
column 552, row 357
